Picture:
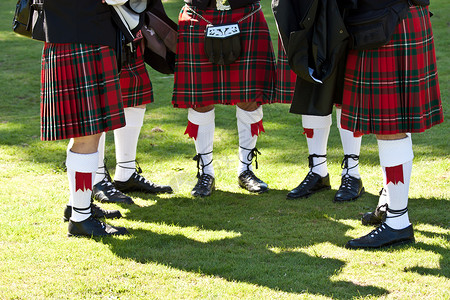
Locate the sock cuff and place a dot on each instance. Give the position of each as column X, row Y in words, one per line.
column 395, row 152
column 85, row 163
column 201, row 118
column 134, row 116
column 249, row 117
column 316, row 122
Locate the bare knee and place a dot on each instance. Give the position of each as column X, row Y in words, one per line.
column 86, row 144
column 204, row 108
column 396, row 136
column 248, row 106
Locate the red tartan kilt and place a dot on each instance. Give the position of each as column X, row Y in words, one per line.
column 135, row 83
column 198, row 82
column 80, row 91
column 285, row 86
column 394, row 88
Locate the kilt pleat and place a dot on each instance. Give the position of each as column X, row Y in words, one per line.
column 135, row 83
column 198, row 82
column 285, row 85
column 394, row 88
column 80, row 91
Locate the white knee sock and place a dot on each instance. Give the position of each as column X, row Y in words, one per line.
column 101, row 171
column 396, row 160
column 249, row 125
column 126, row 140
column 317, row 130
column 81, row 172
column 204, row 137
column 351, row 145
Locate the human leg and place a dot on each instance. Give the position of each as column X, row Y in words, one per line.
column 201, row 126
column 82, row 162
column 127, row 177
column 351, row 186
column 249, row 123
column 396, row 157
column 316, row 130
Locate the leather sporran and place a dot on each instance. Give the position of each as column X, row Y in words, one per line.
column 223, row 43
column 22, row 21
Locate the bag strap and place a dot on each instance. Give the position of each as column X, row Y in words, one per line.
column 242, row 19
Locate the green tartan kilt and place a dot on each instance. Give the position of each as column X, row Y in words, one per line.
column 80, row 91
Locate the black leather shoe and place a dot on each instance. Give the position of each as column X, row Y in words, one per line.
column 248, row 180
column 312, row 183
column 104, row 191
column 92, row 227
column 351, row 188
column 204, row 187
column 383, row 236
column 96, row 211
column 138, row 183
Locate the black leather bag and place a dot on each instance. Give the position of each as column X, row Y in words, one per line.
column 22, row 21
column 374, row 28
column 160, row 34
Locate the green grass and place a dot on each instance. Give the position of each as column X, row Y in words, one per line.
column 231, row 245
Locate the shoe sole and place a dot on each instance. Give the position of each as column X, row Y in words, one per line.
column 394, row 244
column 203, row 195
column 108, row 201
column 255, row 192
column 308, row 195
column 351, row 199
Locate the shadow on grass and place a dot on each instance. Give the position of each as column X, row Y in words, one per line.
column 443, row 252
column 247, row 238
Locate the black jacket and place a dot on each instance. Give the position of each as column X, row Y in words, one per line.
column 75, row 21
column 315, row 39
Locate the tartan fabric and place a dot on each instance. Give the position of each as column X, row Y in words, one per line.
column 394, row 88
column 251, row 77
column 135, row 83
column 80, row 91
column 285, row 85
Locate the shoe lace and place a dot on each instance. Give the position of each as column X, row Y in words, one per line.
column 252, row 154
column 307, row 179
column 346, row 182
column 137, row 167
column 110, row 189
column 82, row 210
column 105, row 171
column 204, row 180
column 395, row 213
column 200, row 163
column 344, row 164
column 311, row 161
column 377, row 230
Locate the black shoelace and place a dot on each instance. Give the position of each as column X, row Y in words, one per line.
column 200, row 163
column 204, row 180
column 252, row 154
column 82, row 210
column 344, row 164
column 137, row 167
column 396, row 212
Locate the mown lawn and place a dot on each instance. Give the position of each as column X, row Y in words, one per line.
column 231, row 245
